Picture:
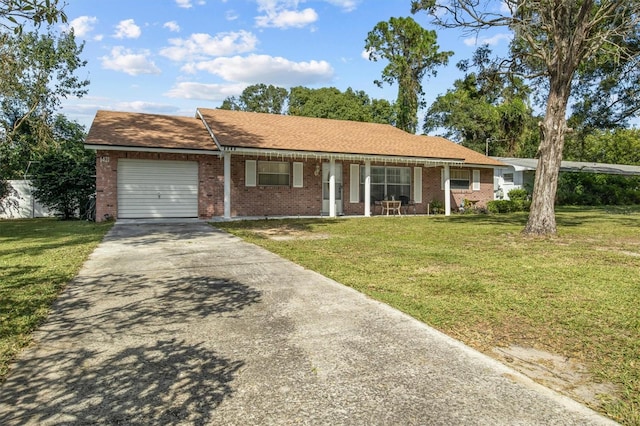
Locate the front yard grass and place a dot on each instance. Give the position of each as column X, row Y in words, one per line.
column 478, row 279
column 37, row 259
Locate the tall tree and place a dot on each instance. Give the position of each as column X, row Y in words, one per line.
column 15, row 13
column 64, row 174
column 258, row 98
column 412, row 51
column 486, row 110
column 553, row 38
column 40, row 72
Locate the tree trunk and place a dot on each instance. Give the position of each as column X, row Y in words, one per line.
column 542, row 219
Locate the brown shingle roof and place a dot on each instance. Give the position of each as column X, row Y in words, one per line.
column 133, row 130
column 271, row 132
column 284, row 132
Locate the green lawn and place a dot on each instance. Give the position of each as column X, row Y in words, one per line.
column 37, row 258
column 478, row 279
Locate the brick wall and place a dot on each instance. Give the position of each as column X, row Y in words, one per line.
column 276, row 200
column 210, row 181
column 269, row 200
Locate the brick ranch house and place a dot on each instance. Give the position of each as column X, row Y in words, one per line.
column 242, row 164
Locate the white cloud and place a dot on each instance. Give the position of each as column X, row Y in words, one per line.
column 206, row 92
column 127, row 29
column 347, row 5
column 124, row 60
column 287, row 18
column 187, row 4
column 284, row 14
column 231, row 15
column 83, row 25
column 172, row 26
column 266, row 69
column 491, row 41
column 200, row 46
column 148, row 107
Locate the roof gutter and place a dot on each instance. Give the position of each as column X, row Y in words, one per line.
column 95, row 147
column 342, row 156
column 213, row 136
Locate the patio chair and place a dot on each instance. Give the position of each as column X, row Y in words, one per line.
column 406, row 202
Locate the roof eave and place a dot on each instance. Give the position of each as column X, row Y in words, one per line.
column 95, row 147
column 283, row 153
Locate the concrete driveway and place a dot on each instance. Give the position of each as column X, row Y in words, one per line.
column 185, row 324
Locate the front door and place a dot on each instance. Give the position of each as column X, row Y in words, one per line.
column 325, row 188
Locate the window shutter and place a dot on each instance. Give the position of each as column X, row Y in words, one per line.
column 442, row 178
column 250, row 173
column 354, row 183
column 417, row 184
column 297, row 175
column 476, row 180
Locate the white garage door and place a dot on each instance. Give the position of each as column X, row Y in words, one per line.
column 157, row 189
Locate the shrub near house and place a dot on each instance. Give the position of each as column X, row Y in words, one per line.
column 518, row 201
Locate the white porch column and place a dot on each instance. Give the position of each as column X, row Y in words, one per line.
column 447, row 190
column 227, row 185
column 367, row 188
column 332, row 187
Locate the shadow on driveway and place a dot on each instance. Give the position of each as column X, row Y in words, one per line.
column 184, row 324
column 165, row 382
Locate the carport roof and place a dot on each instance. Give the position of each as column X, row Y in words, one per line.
column 147, row 132
column 574, row 166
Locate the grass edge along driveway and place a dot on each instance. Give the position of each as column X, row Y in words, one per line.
column 38, row 257
column 478, row 279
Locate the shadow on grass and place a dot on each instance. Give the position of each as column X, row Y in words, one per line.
column 36, row 236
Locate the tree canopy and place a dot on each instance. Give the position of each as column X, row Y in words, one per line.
column 64, row 174
column 40, row 70
column 258, row 98
column 411, row 52
column 325, row 102
column 329, row 102
column 14, row 13
column 486, row 110
column 553, row 40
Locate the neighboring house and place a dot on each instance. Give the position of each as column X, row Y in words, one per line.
column 22, row 204
column 520, row 172
column 243, row 164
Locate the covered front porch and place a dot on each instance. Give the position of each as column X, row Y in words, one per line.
column 304, row 184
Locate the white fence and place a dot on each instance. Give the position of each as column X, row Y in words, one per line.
column 24, row 204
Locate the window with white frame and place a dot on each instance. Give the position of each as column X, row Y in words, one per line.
column 387, row 182
column 508, row 178
column 273, row 173
column 459, row 179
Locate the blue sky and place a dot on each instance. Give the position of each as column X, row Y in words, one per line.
column 172, row 56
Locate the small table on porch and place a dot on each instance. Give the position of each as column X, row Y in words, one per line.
column 392, row 206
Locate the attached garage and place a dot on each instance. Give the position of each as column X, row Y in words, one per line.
column 157, row 189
